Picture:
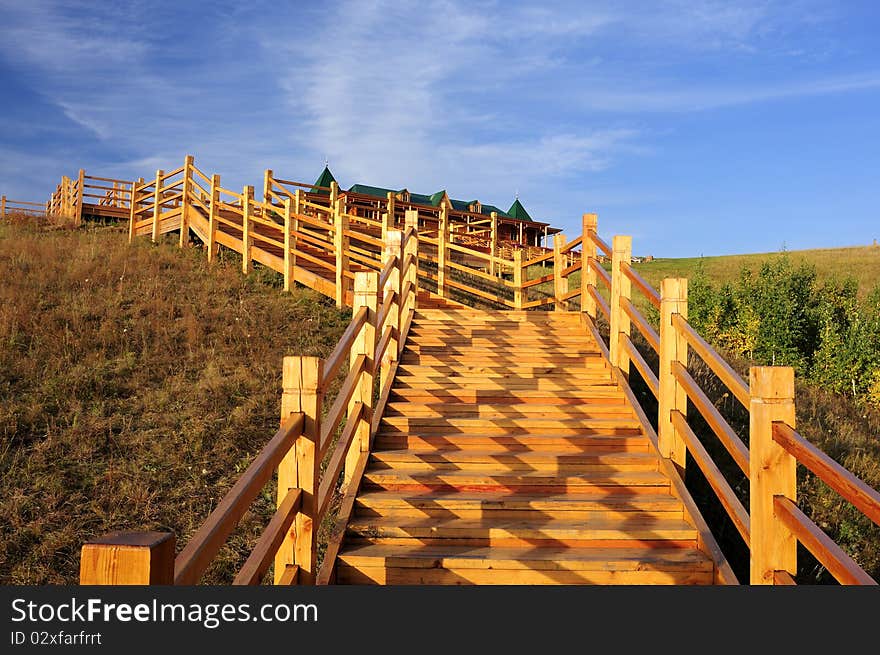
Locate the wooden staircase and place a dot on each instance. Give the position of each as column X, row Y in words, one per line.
column 508, row 454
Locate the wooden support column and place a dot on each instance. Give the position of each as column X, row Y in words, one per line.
column 247, row 208
column 772, row 472
column 80, row 183
column 288, row 247
column 442, row 250
column 518, row 291
column 134, row 208
column 410, row 253
column 157, row 205
column 334, row 195
column 493, row 244
column 388, row 216
column 588, row 274
column 294, row 228
column 2, row 206
column 673, row 348
column 300, row 468
column 620, row 288
column 128, row 558
column 341, row 246
column 560, row 283
column 213, row 212
column 267, row 186
column 185, row 204
column 366, row 287
column 392, row 251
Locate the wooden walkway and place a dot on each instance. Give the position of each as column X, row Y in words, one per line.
column 498, row 461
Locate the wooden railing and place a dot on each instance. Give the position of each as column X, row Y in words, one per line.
column 382, row 312
column 8, row 206
column 773, row 524
column 73, row 198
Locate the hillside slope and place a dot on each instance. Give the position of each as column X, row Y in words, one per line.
column 136, row 383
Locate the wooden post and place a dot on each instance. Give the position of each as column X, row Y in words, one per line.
column 366, row 286
column 184, row 205
column 214, row 210
column 334, row 195
column 410, row 252
column 388, row 216
column 300, row 380
column 128, row 558
column 294, row 226
column 267, row 186
column 442, row 241
column 157, row 205
column 493, row 243
column 288, row 247
column 588, row 274
column 560, row 284
column 247, row 203
column 673, row 348
column 772, row 472
column 80, row 183
column 392, row 285
column 341, row 246
column 134, row 208
column 2, row 206
column 518, row 291
column 620, row 288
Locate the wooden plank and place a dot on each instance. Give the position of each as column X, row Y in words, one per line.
column 642, row 367
column 730, row 439
column 673, row 348
column 642, row 285
column 714, row 477
column 341, row 403
column 642, row 324
column 289, row 576
column 844, row 569
column 713, row 360
column 854, row 490
column 260, row 559
column 330, row 476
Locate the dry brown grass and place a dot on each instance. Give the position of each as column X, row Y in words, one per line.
column 136, row 384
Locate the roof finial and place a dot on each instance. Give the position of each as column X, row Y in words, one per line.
column 516, row 195
column 326, row 162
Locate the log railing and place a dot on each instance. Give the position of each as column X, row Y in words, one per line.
column 9, row 207
column 383, row 307
column 773, row 524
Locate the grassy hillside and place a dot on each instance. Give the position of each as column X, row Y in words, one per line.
column 862, row 263
column 136, row 383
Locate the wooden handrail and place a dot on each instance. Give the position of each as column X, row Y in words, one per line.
column 210, row 537
column 851, row 488
column 337, row 460
column 647, row 290
column 600, row 301
column 604, row 247
column 642, row 366
column 340, row 353
column 732, row 505
column 713, row 360
column 602, row 273
column 641, row 323
column 340, row 404
column 823, row 548
column 260, row 559
column 730, row 439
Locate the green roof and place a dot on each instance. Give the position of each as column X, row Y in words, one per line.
column 324, row 179
column 437, row 197
column 488, row 209
column 518, row 211
column 368, row 190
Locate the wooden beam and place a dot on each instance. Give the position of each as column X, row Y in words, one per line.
column 411, row 275
column 288, row 247
column 80, row 183
column 213, row 212
column 493, row 243
column 128, row 558
column 300, row 468
column 392, row 252
column 267, row 186
column 247, row 207
column 442, row 250
column 673, row 349
column 157, row 206
column 560, row 283
column 518, row 291
column 772, row 472
column 185, row 204
column 341, row 245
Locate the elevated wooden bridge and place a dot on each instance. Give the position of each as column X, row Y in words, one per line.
column 473, row 441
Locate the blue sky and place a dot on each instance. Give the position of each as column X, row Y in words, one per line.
column 697, row 126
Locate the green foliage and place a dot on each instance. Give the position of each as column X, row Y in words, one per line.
column 781, row 315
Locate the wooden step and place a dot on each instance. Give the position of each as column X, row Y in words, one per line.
column 513, row 443
column 535, row 506
column 402, row 479
column 427, row 393
column 486, row 460
column 502, row 384
column 503, row 531
column 507, row 425
column 513, row 409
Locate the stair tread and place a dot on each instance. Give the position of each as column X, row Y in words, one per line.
column 489, row 456
column 594, row 477
column 546, row 558
column 464, row 500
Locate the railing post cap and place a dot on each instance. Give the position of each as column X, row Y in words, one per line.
column 366, row 281
column 673, row 288
column 771, row 382
column 621, row 243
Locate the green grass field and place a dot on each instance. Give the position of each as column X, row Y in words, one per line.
column 862, row 263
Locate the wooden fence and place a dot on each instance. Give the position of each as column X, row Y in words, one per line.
column 8, row 207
